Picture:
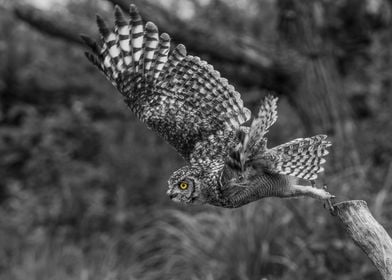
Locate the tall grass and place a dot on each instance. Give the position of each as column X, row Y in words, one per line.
column 269, row 239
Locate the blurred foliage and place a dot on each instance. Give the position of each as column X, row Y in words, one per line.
column 82, row 183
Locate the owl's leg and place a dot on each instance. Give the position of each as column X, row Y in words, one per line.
column 328, row 202
column 299, row 190
column 322, row 194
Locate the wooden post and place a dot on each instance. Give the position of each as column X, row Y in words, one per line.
column 367, row 233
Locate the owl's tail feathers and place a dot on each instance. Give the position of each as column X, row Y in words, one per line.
column 302, row 157
column 130, row 52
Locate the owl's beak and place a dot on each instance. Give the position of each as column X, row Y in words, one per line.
column 171, row 195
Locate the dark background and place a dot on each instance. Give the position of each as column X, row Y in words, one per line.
column 83, row 183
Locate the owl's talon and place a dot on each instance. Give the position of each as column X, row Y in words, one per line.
column 313, row 183
column 329, row 205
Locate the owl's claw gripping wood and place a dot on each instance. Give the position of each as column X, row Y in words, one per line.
column 329, row 202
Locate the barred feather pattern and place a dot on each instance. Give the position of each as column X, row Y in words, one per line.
column 266, row 117
column 202, row 87
column 181, row 97
column 302, row 157
column 130, row 49
column 252, row 140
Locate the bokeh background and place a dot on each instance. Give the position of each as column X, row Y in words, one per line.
column 83, row 183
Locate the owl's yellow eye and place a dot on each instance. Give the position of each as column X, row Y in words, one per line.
column 183, row 185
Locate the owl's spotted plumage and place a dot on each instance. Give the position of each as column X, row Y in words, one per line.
column 202, row 116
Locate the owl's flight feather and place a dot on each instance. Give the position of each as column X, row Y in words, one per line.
column 180, row 96
column 302, row 157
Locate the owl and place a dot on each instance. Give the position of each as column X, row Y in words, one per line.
column 188, row 103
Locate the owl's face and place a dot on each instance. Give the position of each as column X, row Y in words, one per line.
column 184, row 186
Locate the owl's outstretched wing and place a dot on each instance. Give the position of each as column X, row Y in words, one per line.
column 255, row 141
column 252, row 139
column 302, row 157
column 179, row 96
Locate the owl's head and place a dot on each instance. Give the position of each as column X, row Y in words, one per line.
column 184, row 185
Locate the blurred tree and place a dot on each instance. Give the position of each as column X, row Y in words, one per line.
column 9, row 78
column 75, row 175
column 319, row 93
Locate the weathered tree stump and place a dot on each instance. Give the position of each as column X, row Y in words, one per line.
column 367, row 233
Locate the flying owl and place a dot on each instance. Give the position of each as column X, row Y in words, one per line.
column 202, row 116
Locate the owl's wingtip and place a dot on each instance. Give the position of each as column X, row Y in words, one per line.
column 150, row 26
column 165, row 37
column 133, row 10
column 103, row 29
column 181, row 49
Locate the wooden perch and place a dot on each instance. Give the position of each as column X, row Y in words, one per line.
column 367, row 233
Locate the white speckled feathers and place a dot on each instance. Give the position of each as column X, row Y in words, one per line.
column 302, row 157
column 180, row 96
column 266, row 117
